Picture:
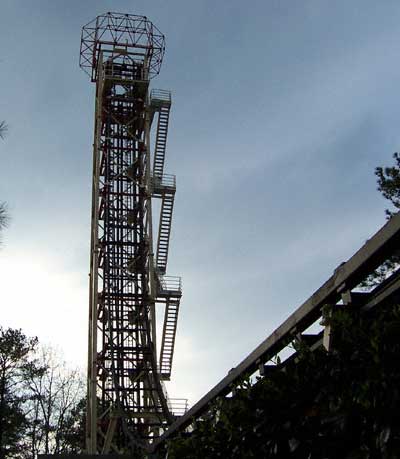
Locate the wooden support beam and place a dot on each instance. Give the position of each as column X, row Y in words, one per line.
column 345, row 277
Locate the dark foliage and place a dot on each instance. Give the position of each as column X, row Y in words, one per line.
column 388, row 179
column 53, row 405
column 15, row 362
column 342, row 404
column 3, row 129
column 73, row 431
column 40, row 411
column 4, row 215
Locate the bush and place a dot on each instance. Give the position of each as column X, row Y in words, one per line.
column 342, row 404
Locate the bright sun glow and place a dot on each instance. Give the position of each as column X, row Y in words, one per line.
column 45, row 300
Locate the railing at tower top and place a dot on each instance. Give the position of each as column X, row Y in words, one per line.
column 132, row 34
column 342, row 284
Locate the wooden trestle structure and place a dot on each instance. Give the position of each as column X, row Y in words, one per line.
column 343, row 290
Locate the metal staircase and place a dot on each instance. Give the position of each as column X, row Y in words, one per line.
column 160, row 102
column 169, row 289
column 164, row 187
column 164, row 232
column 169, row 292
column 168, row 338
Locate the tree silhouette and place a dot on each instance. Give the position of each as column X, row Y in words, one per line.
column 388, row 179
column 16, row 351
column 4, row 215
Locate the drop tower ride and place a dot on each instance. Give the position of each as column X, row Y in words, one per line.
column 127, row 406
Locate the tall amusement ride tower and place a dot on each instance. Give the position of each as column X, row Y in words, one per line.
column 127, row 403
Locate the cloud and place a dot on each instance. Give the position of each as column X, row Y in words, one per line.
column 44, row 299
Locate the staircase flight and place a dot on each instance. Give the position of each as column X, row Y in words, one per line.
column 169, row 289
column 160, row 102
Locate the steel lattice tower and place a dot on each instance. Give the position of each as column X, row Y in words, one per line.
column 127, row 403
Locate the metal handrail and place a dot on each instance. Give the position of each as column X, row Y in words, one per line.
column 160, row 95
column 179, row 406
column 163, row 181
column 170, row 283
column 114, row 70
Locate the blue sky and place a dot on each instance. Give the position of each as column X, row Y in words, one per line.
column 281, row 111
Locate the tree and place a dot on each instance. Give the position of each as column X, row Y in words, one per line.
column 388, row 179
column 4, row 218
column 73, row 433
column 16, row 361
column 4, row 215
column 55, row 406
column 341, row 404
column 41, row 400
column 3, row 129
